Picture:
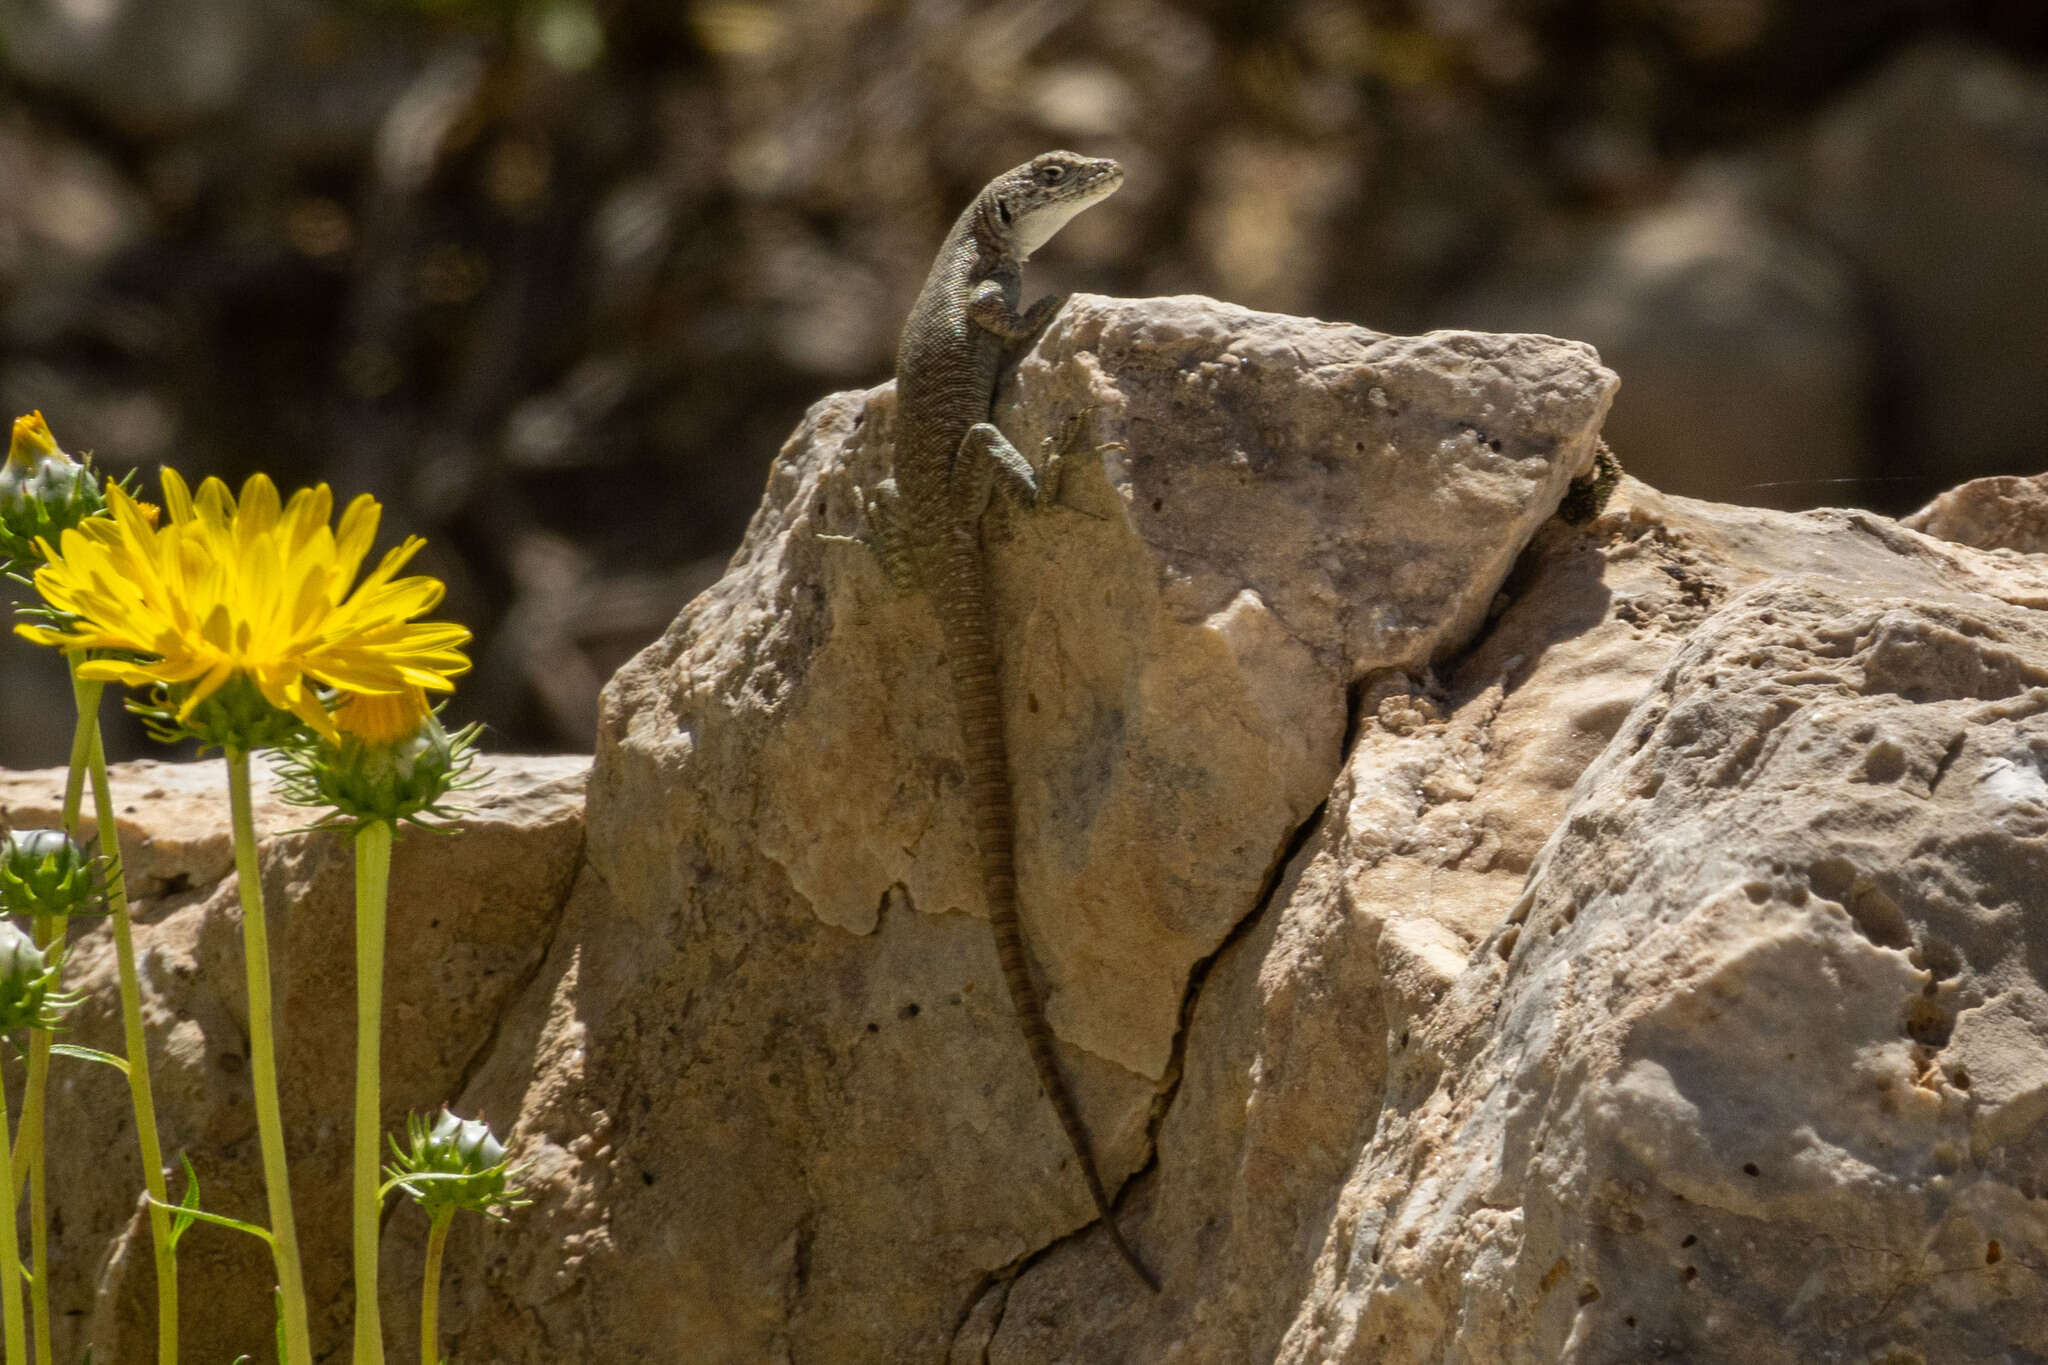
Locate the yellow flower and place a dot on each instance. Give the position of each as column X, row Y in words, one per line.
column 32, row 443
column 383, row 719
column 225, row 591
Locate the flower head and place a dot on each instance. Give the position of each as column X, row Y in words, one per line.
column 27, row 983
column 32, row 442
column 394, row 761
column 47, row 872
column 249, row 592
column 465, row 1166
column 43, row 491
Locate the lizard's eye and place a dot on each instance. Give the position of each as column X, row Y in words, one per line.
column 1051, row 175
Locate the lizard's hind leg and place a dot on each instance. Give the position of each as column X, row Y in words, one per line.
column 886, row 536
column 988, row 461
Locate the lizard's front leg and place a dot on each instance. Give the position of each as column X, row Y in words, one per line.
column 987, row 461
column 991, row 311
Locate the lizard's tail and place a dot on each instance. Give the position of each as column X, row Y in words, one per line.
column 964, row 612
column 1038, row 1036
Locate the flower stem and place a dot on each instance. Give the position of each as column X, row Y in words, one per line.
column 11, row 1321
column 430, row 1292
column 27, row 1161
column 135, row 1044
column 30, row 1139
column 373, row 885
column 298, row 1339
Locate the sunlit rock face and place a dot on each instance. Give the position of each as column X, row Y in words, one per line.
column 1470, row 936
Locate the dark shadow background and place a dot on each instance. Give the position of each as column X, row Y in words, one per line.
column 555, row 279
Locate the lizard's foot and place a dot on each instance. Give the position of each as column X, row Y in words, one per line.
column 1054, row 452
column 886, row 538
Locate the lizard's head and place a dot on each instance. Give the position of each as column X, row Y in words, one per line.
column 1038, row 198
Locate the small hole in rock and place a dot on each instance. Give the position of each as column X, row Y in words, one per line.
column 1749, row 1168
column 1689, row 1274
column 909, row 1011
column 1993, row 1252
column 1588, row 1294
column 1690, row 1239
column 1928, row 1024
column 874, row 1028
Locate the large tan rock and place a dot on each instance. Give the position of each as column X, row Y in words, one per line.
column 1471, row 937
column 471, row 915
column 808, row 1120
column 1712, row 1089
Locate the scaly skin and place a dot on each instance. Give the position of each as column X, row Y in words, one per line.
column 949, row 458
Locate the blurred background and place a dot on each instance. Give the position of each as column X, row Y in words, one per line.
column 554, row 279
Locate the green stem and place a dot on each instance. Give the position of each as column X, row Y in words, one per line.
column 11, row 1320
column 27, row 1161
column 133, row 1040
column 38, row 1176
column 430, row 1292
column 277, row 1186
column 373, row 885
column 85, row 695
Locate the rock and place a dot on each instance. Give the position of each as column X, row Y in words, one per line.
column 1743, row 340
column 787, row 1101
column 472, row 913
column 1699, row 1094
column 1470, row 936
column 2004, row 512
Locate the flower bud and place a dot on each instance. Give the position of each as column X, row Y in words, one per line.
column 43, row 492
column 47, row 872
column 395, row 761
column 468, row 1164
column 26, row 979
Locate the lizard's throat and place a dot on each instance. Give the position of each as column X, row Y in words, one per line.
column 1034, row 229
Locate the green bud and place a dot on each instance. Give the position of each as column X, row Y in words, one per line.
column 237, row 716
column 395, row 762
column 465, row 1163
column 47, row 872
column 43, row 492
column 27, row 981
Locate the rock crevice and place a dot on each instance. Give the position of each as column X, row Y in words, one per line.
column 1469, row 936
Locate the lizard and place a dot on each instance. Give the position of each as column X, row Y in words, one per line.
column 948, row 461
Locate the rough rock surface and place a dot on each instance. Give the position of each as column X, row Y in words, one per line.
column 471, row 916
column 1473, row 937
column 2005, row 512
column 793, row 1057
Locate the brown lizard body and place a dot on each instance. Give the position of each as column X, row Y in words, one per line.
column 949, row 459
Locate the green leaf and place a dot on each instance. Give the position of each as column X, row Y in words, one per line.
column 219, row 1220
column 187, row 1205
column 90, row 1054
